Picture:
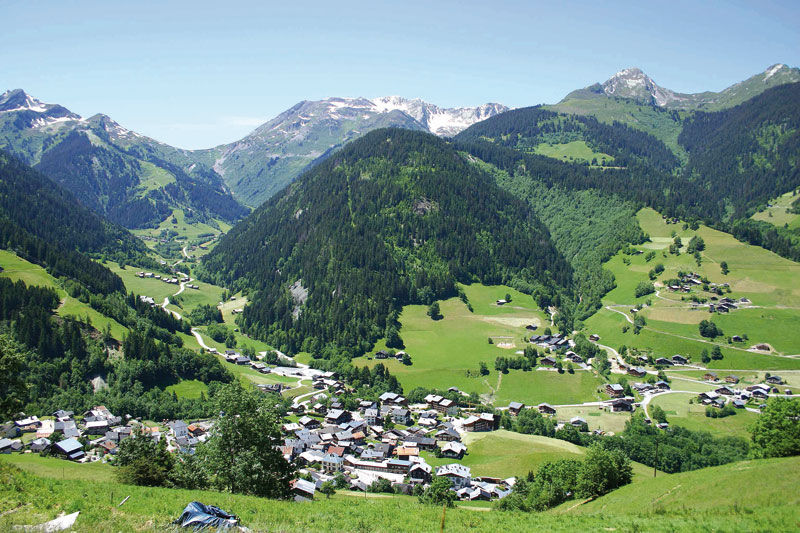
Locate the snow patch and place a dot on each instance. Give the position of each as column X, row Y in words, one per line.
column 774, row 69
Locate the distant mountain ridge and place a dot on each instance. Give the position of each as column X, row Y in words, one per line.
column 116, row 172
column 633, row 84
column 275, row 153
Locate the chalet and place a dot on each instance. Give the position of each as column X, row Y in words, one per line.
column 481, row 422
column 401, row 416
column 407, row 452
column 447, row 435
column 458, row 474
column 575, row 358
column 679, row 359
column 546, row 409
column 179, row 428
column 594, row 337
column 420, row 473
column 663, row 361
column 739, row 404
column 440, row 404
column 501, row 302
column 737, row 338
column 514, row 408
column 8, row 445
column 615, row 390
column 71, row 449
column 637, row 371
column 619, row 405
column 337, row 416
column 775, row 380
column 28, row 425
column 309, row 423
column 241, row 360
column 578, row 422
column 39, row 445
column 382, row 354
column 372, row 417
column 710, row 376
column 732, row 379
column 760, row 393
column 725, row 390
column 9, row 431
column 332, row 463
column 531, row 327
column 303, row 490
column 391, row 398
column 97, row 427
column 662, row 385
column 548, row 361
column 454, row 450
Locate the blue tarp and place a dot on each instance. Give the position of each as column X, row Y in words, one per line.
column 199, row 516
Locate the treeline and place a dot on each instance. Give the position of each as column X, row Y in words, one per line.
column 44, row 225
column 747, row 154
column 394, row 218
column 107, row 179
column 526, row 128
column 587, row 227
column 68, row 364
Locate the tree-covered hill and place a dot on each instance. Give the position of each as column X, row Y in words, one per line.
column 735, row 160
column 113, row 171
column 396, row 217
column 44, row 224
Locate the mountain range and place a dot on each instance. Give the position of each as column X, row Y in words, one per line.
column 138, row 182
column 633, row 84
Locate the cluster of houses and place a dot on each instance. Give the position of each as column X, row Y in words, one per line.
column 554, row 342
column 725, row 305
column 736, row 395
column 328, row 440
column 90, row 437
column 168, row 279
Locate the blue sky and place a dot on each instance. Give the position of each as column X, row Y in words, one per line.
column 197, row 74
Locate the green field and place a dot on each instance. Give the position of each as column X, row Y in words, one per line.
column 153, row 177
column 442, row 351
column 504, row 453
column 576, row 151
column 761, row 276
column 52, row 467
column 596, row 417
column 191, row 388
column 692, row 416
column 17, row 268
column 779, row 214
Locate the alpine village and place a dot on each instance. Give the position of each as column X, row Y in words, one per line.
column 382, row 314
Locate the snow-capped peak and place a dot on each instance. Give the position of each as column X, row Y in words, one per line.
column 18, row 101
column 774, row 69
column 635, row 84
column 439, row 121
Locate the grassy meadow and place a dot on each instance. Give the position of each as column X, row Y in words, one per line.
column 778, row 214
column 446, row 353
column 672, row 325
column 574, row 151
column 692, row 416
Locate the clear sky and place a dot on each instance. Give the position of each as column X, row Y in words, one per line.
column 197, row 74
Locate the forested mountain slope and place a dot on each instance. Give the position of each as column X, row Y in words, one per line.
column 735, row 160
column 111, row 170
column 395, row 217
column 44, row 224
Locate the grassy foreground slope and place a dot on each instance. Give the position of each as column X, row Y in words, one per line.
column 713, row 499
column 765, row 488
